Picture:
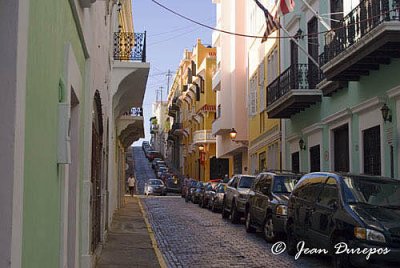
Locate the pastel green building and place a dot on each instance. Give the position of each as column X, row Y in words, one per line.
column 342, row 116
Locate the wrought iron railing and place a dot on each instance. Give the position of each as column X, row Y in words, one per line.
column 135, row 111
column 359, row 22
column 176, row 126
column 297, row 76
column 130, row 46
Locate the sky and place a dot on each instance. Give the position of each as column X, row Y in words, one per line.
column 167, row 35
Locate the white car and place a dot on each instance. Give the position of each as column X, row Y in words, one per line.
column 155, row 186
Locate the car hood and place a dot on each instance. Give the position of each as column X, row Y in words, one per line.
column 243, row 191
column 282, row 198
column 384, row 218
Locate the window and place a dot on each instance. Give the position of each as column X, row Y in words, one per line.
column 309, row 188
column 261, row 71
column 313, row 51
column 253, row 95
column 262, row 161
column 341, row 148
column 315, row 158
column 329, row 194
column 296, row 162
column 372, row 150
column 272, row 67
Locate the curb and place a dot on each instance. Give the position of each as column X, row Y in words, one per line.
column 159, row 255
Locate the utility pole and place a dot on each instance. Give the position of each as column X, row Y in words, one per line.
column 169, row 74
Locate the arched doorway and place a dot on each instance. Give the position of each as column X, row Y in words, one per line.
column 96, row 177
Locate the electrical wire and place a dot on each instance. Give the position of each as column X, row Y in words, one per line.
column 174, row 30
column 173, row 37
column 269, row 37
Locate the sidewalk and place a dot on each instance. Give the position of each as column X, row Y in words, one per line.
column 130, row 240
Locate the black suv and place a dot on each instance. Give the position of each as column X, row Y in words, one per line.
column 266, row 206
column 235, row 197
column 326, row 209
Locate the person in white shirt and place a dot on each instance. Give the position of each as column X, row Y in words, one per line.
column 131, row 184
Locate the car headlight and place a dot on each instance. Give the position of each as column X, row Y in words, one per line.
column 368, row 234
column 281, row 210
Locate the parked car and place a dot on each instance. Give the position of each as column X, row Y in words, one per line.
column 363, row 211
column 235, row 198
column 153, row 154
column 205, row 196
column 266, row 206
column 196, row 195
column 173, row 184
column 162, row 170
column 156, row 161
column 217, row 197
column 155, row 186
column 190, row 190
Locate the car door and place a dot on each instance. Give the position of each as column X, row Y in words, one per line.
column 230, row 191
column 265, row 198
column 258, row 210
column 252, row 196
column 321, row 218
column 307, row 194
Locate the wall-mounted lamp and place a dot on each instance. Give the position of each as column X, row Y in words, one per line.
column 233, row 134
column 299, row 34
column 201, row 147
column 302, row 144
column 386, row 113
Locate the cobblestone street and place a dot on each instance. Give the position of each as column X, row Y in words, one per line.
column 190, row 236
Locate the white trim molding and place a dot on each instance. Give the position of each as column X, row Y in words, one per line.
column 367, row 105
column 394, row 92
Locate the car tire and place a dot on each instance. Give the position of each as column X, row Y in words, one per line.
column 201, row 203
column 235, row 217
column 225, row 214
column 213, row 206
column 291, row 241
column 340, row 260
column 268, row 230
column 249, row 228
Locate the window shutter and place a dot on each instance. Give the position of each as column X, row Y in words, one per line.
column 262, row 87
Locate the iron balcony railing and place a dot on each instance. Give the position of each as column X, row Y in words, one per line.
column 297, row 76
column 135, row 111
column 130, row 46
column 359, row 22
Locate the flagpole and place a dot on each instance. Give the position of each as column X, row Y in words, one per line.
column 301, row 48
column 317, row 15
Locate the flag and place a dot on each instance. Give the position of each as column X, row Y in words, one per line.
column 270, row 22
column 284, row 7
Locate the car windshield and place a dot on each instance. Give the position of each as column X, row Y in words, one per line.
column 155, row 182
column 283, row 184
column 246, row 182
column 385, row 193
column 221, row 189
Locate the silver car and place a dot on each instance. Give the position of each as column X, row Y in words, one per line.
column 155, row 186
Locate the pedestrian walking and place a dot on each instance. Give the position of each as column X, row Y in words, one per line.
column 131, row 184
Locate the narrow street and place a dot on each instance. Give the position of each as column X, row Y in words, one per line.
column 189, row 236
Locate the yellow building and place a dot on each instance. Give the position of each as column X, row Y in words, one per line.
column 264, row 134
column 195, row 101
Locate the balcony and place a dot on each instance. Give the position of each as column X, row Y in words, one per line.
column 369, row 36
column 293, row 91
column 130, row 46
column 154, row 129
column 129, row 71
column 203, row 136
column 177, row 129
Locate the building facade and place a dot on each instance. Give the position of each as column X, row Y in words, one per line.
column 230, row 84
column 68, row 90
column 345, row 117
column 263, row 67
